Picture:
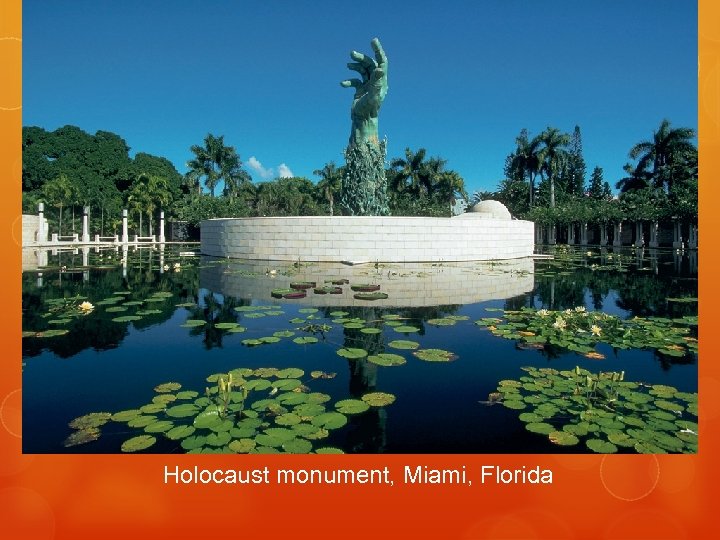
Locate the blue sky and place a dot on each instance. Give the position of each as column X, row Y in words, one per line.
column 464, row 77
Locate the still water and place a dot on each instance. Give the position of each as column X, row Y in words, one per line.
column 136, row 336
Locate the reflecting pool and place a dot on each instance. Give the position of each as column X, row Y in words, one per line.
column 161, row 350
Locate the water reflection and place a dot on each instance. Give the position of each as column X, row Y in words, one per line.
column 408, row 284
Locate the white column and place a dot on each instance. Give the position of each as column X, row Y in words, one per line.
column 639, row 240
column 653, row 234
column 571, row 233
column 124, row 259
column 552, row 236
column 85, row 254
column 85, row 230
column 617, row 234
column 603, row 234
column 583, row 234
column 41, row 232
column 162, row 227
column 162, row 258
column 124, row 228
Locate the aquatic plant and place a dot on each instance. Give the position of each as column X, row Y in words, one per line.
column 581, row 330
column 603, row 409
column 263, row 410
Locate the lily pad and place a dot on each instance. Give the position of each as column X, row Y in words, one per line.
column 435, row 355
column 403, row 344
column 168, row 387
column 305, row 340
column 406, row 329
column 184, row 410
column 82, row 436
column 378, row 399
column 136, row 444
column 92, row 420
column 351, row 406
column 600, row 446
column 179, row 432
column 329, row 420
column 563, row 438
column 242, row 446
column 352, row 353
column 387, row 359
column 192, row 323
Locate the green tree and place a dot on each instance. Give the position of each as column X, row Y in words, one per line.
column 330, row 182
column 599, row 189
column 552, row 156
column 214, row 162
column 661, row 155
column 574, row 173
column 526, row 162
column 408, row 173
column 57, row 192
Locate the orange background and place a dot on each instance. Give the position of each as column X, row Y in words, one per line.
column 119, row 496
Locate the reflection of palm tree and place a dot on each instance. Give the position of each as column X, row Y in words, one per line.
column 212, row 313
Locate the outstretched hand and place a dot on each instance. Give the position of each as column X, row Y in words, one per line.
column 371, row 89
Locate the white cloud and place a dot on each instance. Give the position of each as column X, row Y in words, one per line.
column 261, row 171
column 284, row 171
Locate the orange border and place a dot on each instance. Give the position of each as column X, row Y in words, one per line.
column 123, row 496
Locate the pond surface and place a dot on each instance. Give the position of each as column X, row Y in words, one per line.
column 411, row 373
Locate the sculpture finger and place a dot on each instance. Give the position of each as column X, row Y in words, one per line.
column 360, row 68
column 379, row 52
column 355, row 83
column 366, row 61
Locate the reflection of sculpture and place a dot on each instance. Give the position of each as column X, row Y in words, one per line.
column 369, row 93
column 364, row 185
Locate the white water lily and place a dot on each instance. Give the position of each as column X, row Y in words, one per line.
column 580, row 309
column 86, row 307
column 595, row 329
column 166, row 267
column 560, row 323
column 543, row 312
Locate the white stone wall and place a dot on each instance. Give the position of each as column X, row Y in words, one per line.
column 30, row 226
column 367, row 239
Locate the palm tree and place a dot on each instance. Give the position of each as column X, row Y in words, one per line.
column 448, row 185
column 214, row 161
column 330, row 182
column 660, row 154
column 408, row 171
column 637, row 178
column 236, row 179
column 431, row 174
column 527, row 159
column 553, row 156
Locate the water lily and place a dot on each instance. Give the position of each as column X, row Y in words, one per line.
column 176, row 265
column 166, row 268
column 568, row 311
column 560, row 323
column 543, row 312
column 595, row 329
column 86, row 307
column 580, row 309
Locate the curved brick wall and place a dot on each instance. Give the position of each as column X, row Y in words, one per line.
column 466, row 237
